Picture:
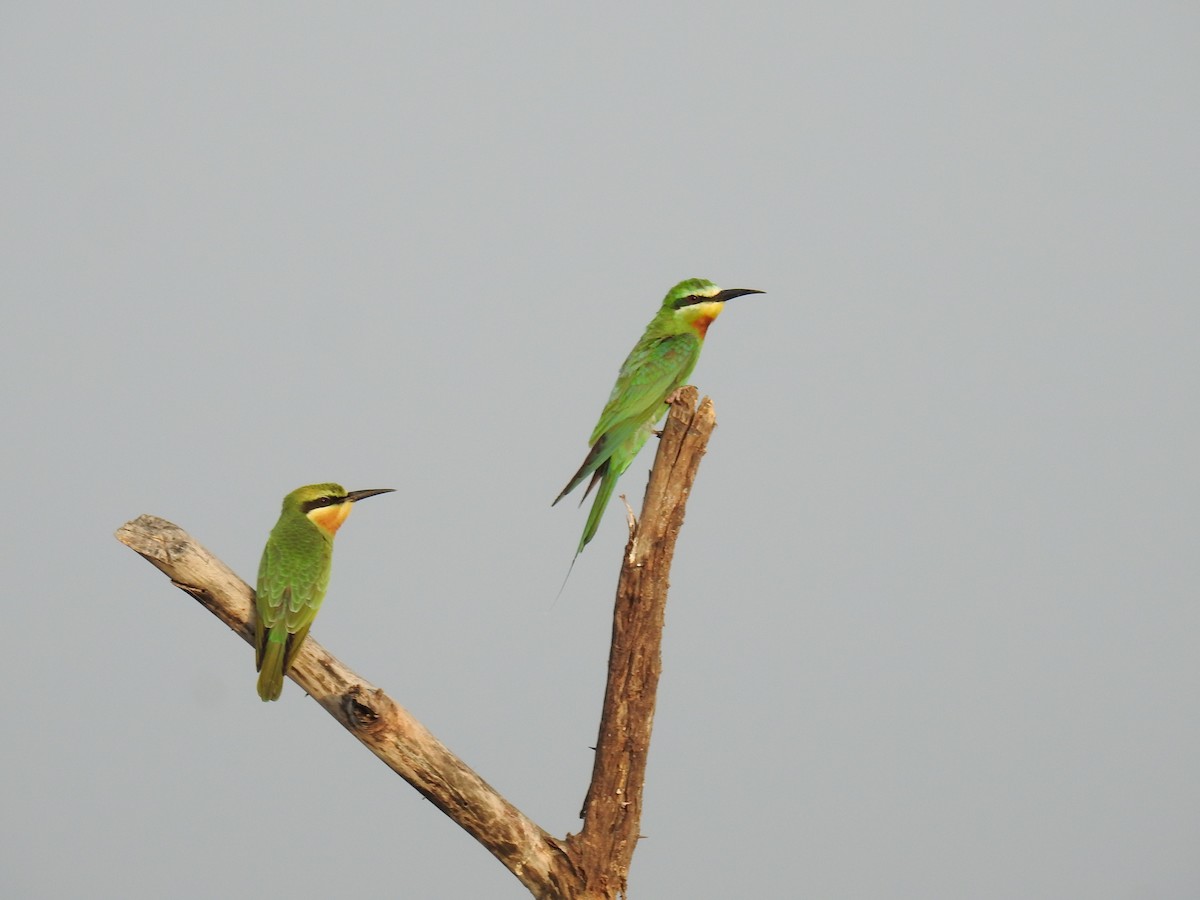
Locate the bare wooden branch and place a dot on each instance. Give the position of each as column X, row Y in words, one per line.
column 381, row 724
column 591, row 865
column 612, row 810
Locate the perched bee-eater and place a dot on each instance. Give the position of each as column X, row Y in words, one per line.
column 294, row 574
column 658, row 364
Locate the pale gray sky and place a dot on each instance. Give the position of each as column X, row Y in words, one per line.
column 933, row 627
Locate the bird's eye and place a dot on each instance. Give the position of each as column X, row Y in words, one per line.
column 687, row 301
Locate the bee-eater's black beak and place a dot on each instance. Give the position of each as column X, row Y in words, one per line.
column 355, row 496
column 730, row 293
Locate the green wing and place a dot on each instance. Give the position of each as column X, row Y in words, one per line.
column 292, row 579
column 651, row 372
column 654, row 368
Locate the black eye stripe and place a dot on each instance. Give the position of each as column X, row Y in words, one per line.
column 690, row 300
column 310, row 505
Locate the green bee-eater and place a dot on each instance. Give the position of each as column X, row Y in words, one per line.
column 294, row 574
column 658, row 364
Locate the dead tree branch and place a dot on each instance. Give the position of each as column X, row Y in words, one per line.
column 591, row 865
column 612, row 810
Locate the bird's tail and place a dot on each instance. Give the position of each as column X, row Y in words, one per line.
column 595, row 461
column 270, row 670
column 608, row 481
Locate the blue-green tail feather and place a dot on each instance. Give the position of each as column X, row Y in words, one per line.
column 608, row 481
column 271, row 665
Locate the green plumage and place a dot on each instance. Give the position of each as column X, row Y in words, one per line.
column 659, row 363
column 293, row 576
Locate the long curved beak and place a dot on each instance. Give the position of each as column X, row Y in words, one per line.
column 730, row 293
column 355, row 496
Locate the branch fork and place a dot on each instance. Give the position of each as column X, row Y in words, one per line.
column 593, row 864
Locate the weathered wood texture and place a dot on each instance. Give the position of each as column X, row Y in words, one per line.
column 591, row 865
column 612, row 810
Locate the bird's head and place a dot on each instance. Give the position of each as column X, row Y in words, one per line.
column 326, row 505
column 697, row 302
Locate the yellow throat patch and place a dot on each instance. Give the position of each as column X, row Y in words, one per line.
column 330, row 518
